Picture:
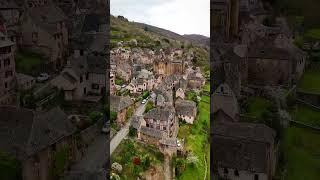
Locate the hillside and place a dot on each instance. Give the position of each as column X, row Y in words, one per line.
column 198, row 39
column 154, row 38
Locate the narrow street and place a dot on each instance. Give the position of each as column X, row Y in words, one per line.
column 116, row 140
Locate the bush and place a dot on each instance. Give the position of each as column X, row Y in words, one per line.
column 132, row 132
column 149, row 106
column 10, row 168
column 60, row 160
column 95, row 116
column 113, row 116
column 146, row 94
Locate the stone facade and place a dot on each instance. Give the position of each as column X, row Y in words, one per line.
column 7, row 70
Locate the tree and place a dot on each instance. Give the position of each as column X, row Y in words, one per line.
column 113, row 116
column 149, row 106
column 146, row 28
column 132, row 132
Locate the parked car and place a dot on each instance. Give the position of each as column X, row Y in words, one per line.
column 43, row 77
column 144, row 101
column 106, row 128
column 178, row 143
column 123, row 86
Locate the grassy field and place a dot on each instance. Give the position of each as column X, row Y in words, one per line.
column 310, row 82
column 307, row 115
column 197, row 141
column 257, row 106
column 302, row 152
column 27, row 62
column 125, row 153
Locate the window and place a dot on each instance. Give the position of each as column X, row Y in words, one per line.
column 81, row 79
column 8, row 74
column 95, row 86
column 236, row 172
column 164, row 128
column 147, row 125
column 87, row 76
column 6, row 85
column 84, row 90
column 256, row 177
column 6, row 62
column 81, row 52
column 225, row 171
column 34, row 37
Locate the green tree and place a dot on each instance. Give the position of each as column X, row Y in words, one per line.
column 113, row 116
column 10, row 167
column 132, row 132
column 149, row 106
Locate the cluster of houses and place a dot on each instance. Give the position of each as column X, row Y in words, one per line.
column 167, row 74
column 71, row 37
column 248, row 56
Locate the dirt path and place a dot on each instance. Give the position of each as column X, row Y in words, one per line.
column 167, row 168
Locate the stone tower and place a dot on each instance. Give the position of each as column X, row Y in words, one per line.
column 225, row 17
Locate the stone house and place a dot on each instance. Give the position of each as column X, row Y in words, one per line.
column 168, row 62
column 186, row 110
column 120, row 105
column 275, row 62
column 226, row 106
column 160, row 122
column 124, row 71
column 7, row 69
column 11, row 14
column 37, row 137
column 225, row 18
column 44, row 31
column 25, row 82
column 195, row 80
column 243, row 151
column 84, row 78
column 142, row 80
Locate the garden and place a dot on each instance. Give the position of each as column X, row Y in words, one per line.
column 196, row 144
column 310, row 82
column 29, row 62
column 135, row 158
column 301, row 149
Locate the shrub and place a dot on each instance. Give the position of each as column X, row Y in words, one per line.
column 132, row 132
column 149, row 106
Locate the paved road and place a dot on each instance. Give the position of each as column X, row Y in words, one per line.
column 116, row 140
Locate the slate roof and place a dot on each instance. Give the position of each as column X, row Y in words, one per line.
column 264, row 48
column 22, row 78
column 25, row 132
column 185, row 107
column 242, row 146
column 160, row 113
column 227, row 102
column 47, row 17
column 152, row 132
column 136, row 121
column 118, row 103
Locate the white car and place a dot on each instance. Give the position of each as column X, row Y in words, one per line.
column 143, row 101
column 123, row 86
column 105, row 128
column 178, row 143
column 43, row 77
